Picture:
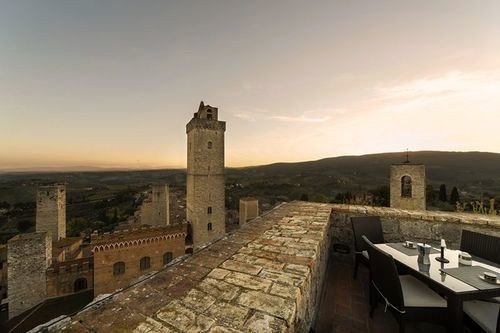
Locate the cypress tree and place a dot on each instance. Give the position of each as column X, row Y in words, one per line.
column 442, row 193
column 454, row 196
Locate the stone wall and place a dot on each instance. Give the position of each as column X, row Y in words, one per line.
column 417, row 174
column 421, row 226
column 264, row 277
column 129, row 247
column 51, row 211
column 29, row 256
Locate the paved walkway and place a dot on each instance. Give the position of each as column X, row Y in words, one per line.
column 344, row 306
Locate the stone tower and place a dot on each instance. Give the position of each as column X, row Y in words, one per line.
column 28, row 257
column 160, row 216
column 51, row 210
column 408, row 186
column 205, row 175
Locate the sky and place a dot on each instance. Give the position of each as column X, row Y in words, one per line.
column 112, row 83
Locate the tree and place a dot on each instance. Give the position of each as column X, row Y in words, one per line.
column 454, row 196
column 430, row 194
column 304, row 197
column 442, row 193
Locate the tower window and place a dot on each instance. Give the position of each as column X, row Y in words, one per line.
column 119, row 268
column 167, row 257
column 209, row 227
column 209, row 145
column 145, row 263
column 209, row 210
column 406, row 187
column 209, row 114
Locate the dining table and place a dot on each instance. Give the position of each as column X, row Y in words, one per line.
column 456, row 282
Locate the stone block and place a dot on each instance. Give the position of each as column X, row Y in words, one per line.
column 273, row 305
column 248, row 281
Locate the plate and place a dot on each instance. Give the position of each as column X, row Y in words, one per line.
column 491, row 282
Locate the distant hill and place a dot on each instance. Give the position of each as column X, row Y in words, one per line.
column 472, row 170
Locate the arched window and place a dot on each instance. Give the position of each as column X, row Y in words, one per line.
column 145, row 263
column 167, row 257
column 209, row 210
column 209, row 144
column 209, row 227
column 406, row 187
column 80, row 284
column 119, row 268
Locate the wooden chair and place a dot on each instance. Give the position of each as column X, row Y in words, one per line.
column 407, row 298
column 483, row 316
column 371, row 227
column 481, row 245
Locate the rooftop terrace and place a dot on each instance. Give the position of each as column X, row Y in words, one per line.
column 268, row 276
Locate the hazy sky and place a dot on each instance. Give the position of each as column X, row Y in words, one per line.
column 113, row 83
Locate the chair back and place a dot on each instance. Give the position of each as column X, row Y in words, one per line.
column 481, row 245
column 498, row 321
column 384, row 275
column 369, row 226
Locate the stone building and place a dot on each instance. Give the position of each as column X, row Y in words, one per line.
column 29, row 257
column 51, row 210
column 72, row 267
column 205, row 175
column 249, row 209
column 121, row 257
column 407, row 187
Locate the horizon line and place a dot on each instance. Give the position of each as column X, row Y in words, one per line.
column 93, row 168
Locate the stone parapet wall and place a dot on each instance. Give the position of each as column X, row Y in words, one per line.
column 264, row 277
column 400, row 225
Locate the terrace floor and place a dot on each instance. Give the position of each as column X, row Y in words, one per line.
column 344, row 305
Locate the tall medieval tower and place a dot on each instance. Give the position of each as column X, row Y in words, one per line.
column 160, row 205
column 51, row 210
column 205, row 175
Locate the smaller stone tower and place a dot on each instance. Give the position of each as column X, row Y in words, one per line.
column 51, row 210
column 160, row 205
column 28, row 257
column 249, row 209
column 408, row 186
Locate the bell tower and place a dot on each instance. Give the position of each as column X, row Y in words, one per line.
column 205, row 175
column 407, row 187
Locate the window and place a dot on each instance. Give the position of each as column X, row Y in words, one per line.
column 209, row 114
column 209, row 144
column 118, row 268
column 145, row 263
column 167, row 257
column 209, row 227
column 80, row 284
column 209, row 210
column 406, row 187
